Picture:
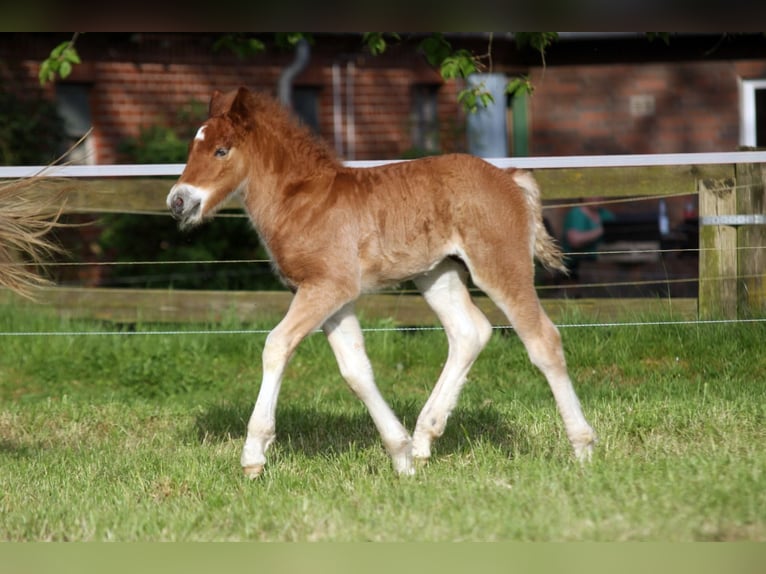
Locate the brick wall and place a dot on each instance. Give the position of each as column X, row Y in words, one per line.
column 139, row 81
column 136, row 80
column 679, row 107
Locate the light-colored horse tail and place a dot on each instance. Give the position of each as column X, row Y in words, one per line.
column 27, row 215
column 545, row 247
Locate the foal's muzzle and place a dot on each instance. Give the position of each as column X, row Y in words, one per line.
column 185, row 204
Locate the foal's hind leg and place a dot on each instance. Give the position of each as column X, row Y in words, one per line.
column 543, row 343
column 512, row 289
column 345, row 337
column 468, row 331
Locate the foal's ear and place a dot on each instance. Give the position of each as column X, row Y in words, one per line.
column 241, row 104
column 220, row 102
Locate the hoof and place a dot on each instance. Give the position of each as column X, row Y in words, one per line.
column 409, row 471
column 421, row 446
column 403, row 464
column 253, row 471
column 420, row 461
column 584, row 450
column 584, row 454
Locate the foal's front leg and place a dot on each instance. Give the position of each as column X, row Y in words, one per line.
column 308, row 310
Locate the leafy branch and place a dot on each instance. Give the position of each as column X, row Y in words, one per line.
column 452, row 63
column 60, row 61
column 241, row 45
column 460, row 64
column 377, row 42
column 245, row 45
column 539, row 41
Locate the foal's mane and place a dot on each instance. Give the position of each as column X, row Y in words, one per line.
column 284, row 126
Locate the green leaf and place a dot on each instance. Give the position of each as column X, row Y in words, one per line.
column 519, row 86
column 461, row 64
column 375, row 42
column 240, row 45
column 436, row 49
column 65, row 69
column 44, row 75
column 291, row 39
column 255, row 45
column 449, row 68
column 58, row 50
column 486, row 98
column 537, row 40
column 60, row 61
column 72, row 56
column 474, row 98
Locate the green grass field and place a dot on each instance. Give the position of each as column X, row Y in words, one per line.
column 137, row 438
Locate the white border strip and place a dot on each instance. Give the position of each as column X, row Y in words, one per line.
column 550, row 162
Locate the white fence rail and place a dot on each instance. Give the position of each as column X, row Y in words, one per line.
column 549, row 162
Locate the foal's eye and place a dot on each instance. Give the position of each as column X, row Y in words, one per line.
column 221, row 151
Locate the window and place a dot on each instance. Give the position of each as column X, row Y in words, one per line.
column 752, row 131
column 305, row 101
column 73, row 104
column 425, row 118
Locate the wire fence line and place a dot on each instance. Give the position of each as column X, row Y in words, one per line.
column 127, row 170
column 692, row 250
column 401, row 329
column 544, row 287
column 159, row 170
column 546, row 206
column 666, row 280
column 677, row 251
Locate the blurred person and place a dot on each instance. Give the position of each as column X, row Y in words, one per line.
column 582, row 232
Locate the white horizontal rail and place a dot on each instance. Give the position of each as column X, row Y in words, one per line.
column 550, row 162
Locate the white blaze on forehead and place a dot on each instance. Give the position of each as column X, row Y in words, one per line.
column 200, row 134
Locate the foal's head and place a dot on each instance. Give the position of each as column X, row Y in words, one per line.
column 217, row 165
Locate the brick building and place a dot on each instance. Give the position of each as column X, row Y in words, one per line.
column 596, row 94
column 627, row 95
column 368, row 107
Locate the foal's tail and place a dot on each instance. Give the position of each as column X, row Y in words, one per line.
column 546, row 250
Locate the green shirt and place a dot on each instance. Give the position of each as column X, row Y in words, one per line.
column 577, row 219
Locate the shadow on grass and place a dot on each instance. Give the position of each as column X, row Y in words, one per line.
column 321, row 432
column 15, row 449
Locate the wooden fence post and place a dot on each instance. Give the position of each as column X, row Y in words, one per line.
column 751, row 240
column 718, row 251
column 732, row 259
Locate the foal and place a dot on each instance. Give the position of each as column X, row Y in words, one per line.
column 334, row 233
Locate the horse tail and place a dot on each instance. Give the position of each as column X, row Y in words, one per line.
column 544, row 246
column 27, row 215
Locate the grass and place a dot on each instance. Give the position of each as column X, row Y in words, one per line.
column 137, row 438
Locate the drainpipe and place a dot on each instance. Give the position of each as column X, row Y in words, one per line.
column 285, row 88
column 337, row 109
column 487, row 130
column 350, row 125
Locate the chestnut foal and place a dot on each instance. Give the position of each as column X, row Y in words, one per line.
column 335, row 232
